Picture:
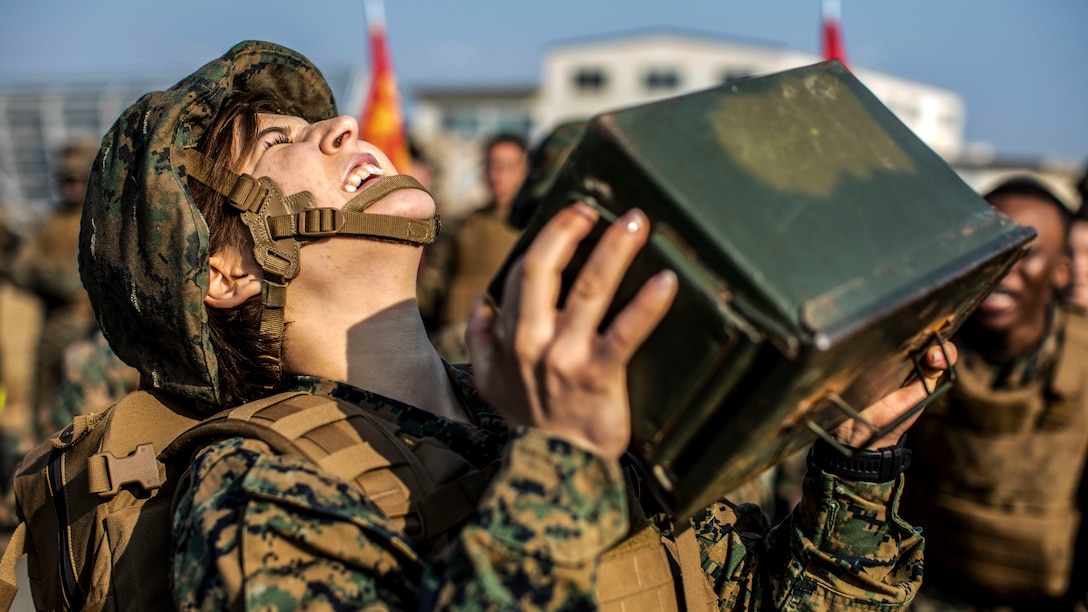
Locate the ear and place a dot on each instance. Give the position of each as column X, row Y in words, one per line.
column 232, row 279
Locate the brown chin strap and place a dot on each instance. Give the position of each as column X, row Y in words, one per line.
column 281, row 225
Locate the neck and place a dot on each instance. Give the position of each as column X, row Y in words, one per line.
column 1016, row 343
column 503, row 206
column 370, row 336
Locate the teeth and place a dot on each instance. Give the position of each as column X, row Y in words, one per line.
column 999, row 300
column 367, row 171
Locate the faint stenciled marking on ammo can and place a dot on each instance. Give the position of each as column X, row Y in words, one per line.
column 828, row 150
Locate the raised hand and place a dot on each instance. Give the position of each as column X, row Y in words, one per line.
column 549, row 367
column 886, row 410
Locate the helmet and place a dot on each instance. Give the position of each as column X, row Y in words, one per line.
column 74, row 158
column 143, row 242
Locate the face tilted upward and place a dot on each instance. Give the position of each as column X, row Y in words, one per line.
column 328, row 160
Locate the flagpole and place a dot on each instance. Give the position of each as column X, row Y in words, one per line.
column 374, row 12
column 833, row 46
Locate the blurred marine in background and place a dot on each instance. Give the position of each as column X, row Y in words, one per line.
column 458, row 267
column 1001, row 456
column 46, row 266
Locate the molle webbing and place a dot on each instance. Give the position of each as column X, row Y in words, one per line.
column 362, row 449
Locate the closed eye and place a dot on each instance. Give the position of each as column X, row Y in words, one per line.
column 273, row 136
column 278, row 140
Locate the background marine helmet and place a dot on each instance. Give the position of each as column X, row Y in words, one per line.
column 144, row 244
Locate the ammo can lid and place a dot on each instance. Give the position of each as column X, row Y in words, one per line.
column 804, row 185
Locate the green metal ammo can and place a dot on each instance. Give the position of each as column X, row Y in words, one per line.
column 821, row 247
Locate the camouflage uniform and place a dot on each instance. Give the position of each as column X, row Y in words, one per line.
column 259, row 529
column 278, row 532
column 91, row 377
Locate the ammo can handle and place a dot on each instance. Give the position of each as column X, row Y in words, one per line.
column 880, row 432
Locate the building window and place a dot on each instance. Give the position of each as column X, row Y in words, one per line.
column 590, row 80
column 515, row 123
column 735, row 74
column 463, row 121
column 949, row 121
column 661, row 79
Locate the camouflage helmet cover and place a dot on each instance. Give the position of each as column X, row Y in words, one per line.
column 143, row 243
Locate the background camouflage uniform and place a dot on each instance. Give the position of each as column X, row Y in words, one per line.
column 91, row 377
column 47, row 266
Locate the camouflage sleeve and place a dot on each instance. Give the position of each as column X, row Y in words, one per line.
column 543, row 524
column 843, row 548
column 265, row 531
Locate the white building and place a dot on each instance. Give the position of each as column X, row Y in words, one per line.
column 580, row 79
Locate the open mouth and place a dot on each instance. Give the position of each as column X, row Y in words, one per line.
column 999, row 300
column 362, row 176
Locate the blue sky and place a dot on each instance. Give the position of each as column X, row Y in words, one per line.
column 1021, row 66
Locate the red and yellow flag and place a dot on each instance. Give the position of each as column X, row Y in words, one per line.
column 832, row 32
column 382, row 119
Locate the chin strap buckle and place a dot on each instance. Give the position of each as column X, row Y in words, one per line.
column 318, row 222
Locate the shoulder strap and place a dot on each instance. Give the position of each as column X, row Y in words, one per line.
column 74, row 489
column 692, row 576
column 356, row 446
column 139, row 425
column 9, row 584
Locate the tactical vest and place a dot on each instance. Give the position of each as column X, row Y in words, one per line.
column 1000, row 509
column 480, row 245
column 96, row 500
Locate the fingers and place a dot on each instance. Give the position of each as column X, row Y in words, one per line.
column 635, row 322
column 550, row 368
column 896, row 403
column 593, row 290
column 935, row 357
column 536, row 278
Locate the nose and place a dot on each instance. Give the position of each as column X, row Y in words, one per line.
column 337, row 132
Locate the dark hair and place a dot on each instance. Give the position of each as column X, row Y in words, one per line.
column 1027, row 186
column 505, row 138
column 247, row 359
